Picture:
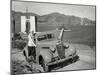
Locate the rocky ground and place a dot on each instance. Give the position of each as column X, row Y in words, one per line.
column 19, row 65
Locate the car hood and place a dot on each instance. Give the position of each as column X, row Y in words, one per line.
column 70, row 50
column 47, row 43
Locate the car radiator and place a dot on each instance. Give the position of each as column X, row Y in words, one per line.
column 60, row 50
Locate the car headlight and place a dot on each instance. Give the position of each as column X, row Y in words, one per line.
column 52, row 49
column 66, row 46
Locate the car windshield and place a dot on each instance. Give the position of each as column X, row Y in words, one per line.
column 45, row 37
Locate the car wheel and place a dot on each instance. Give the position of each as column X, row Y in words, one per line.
column 45, row 67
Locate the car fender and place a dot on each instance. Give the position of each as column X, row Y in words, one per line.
column 71, row 50
column 47, row 55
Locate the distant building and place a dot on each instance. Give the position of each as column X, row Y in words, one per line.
column 23, row 22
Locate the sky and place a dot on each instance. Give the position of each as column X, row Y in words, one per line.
column 47, row 8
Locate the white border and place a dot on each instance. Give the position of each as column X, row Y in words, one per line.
column 5, row 36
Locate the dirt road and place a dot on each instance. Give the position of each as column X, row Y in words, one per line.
column 87, row 59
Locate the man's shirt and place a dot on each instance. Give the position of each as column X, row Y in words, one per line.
column 31, row 41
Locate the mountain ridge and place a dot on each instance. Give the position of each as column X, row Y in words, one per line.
column 57, row 18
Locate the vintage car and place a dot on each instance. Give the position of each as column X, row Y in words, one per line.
column 51, row 49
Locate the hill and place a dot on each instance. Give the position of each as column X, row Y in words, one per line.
column 58, row 18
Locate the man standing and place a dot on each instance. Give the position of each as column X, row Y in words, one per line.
column 31, row 45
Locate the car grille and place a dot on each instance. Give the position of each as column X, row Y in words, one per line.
column 61, row 50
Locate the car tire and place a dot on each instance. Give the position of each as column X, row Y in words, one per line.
column 45, row 67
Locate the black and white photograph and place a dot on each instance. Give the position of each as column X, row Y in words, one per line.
column 52, row 37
